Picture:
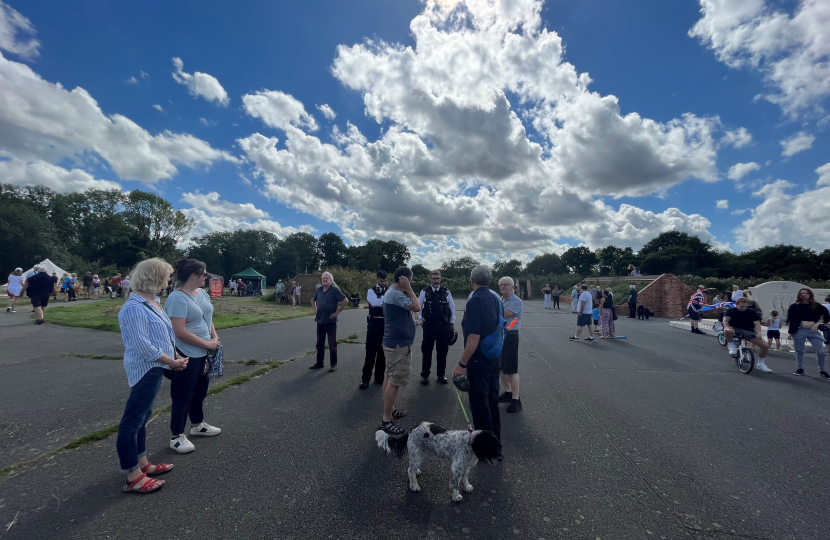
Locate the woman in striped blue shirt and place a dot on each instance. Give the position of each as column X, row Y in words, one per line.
column 149, row 351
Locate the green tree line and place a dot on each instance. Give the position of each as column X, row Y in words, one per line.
column 108, row 231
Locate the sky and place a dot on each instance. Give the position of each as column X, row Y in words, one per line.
column 490, row 128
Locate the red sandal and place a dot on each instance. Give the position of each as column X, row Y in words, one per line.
column 149, row 486
column 161, row 468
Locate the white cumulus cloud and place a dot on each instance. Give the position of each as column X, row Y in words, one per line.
column 40, row 120
column 41, row 173
column 327, row 111
column 212, row 204
column 206, row 223
column 455, row 170
column 131, row 80
column 787, row 218
column 158, row 107
column 722, row 204
column 200, row 84
column 739, row 170
column 12, row 22
column 797, row 143
column 278, row 110
column 790, row 51
column 738, row 138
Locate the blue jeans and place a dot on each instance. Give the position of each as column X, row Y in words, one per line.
column 131, row 431
column 816, row 339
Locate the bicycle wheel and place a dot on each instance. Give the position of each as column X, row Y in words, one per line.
column 722, row 339
column 745, row 360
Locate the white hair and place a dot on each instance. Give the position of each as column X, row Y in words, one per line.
column 330, row 276
column 506, row 279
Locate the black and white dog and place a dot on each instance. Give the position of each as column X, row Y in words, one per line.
column 459, row 449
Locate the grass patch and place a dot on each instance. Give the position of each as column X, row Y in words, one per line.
column 241, row 379
column 95, row 356
column 99, row 435
column 229, row 312
column 350, row 339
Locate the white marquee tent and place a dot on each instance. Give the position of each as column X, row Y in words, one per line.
column 51, row 268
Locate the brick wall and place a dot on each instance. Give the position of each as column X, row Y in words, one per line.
column 308, row 282
column 666, row 296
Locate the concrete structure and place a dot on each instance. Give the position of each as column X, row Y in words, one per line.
column 666, row 296
column 779, row 295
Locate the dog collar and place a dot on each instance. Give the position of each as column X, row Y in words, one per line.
column 470, row 430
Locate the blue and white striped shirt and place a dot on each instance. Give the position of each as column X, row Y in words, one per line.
column 147, row 334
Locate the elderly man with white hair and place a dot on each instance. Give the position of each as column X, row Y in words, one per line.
column 328, row 301
column 513, row 308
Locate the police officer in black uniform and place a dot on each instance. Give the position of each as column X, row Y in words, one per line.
column 375, row 359
column 438, row 320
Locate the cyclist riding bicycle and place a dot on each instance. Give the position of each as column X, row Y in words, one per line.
column 744, row 323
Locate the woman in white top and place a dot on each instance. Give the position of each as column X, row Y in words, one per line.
column 574, row 299
column 16, row 280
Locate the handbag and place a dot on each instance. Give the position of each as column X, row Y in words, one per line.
column 214, row 366
column 614, row 312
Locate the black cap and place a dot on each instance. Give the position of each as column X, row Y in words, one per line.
column 461, row 383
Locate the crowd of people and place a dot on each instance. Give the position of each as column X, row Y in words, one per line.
column 179, row 341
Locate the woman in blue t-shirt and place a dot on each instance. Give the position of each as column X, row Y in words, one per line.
column 191, row 315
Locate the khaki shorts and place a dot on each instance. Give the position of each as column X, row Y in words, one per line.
column 398, row 365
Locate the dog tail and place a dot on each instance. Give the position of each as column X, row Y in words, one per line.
column 392, row 445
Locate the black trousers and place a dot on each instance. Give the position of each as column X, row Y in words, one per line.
column 484, row 394
column 435, row 336
column 375, row 359
column 188, row 390
column 329, row 330
column 556, row 301
column 632, row 309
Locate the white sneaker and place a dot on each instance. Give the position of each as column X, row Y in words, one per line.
column 761, row 366
column 181, row 445
column 205, row 429
column 733, row 349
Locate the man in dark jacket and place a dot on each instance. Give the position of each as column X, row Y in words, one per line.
column 38, row 288
column 437, row 318
column 481, row 317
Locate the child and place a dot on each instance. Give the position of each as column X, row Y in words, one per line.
column 773, row 330
column 596, row 317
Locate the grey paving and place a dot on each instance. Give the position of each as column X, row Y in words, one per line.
column 656, row 436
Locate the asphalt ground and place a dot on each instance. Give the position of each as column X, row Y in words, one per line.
column 52, row 393
column 655, row 436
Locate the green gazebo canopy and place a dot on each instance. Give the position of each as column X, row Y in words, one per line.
column 250, row 273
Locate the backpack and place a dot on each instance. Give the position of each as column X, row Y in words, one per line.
column 493, row 342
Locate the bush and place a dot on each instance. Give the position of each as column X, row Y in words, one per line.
column 723, row 285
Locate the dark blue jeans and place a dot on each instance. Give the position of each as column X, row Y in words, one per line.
column 484, row 394
column 131, row 432
column 188, row 390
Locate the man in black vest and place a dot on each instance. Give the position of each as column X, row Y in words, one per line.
column 375, row 359
column 438, row 319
